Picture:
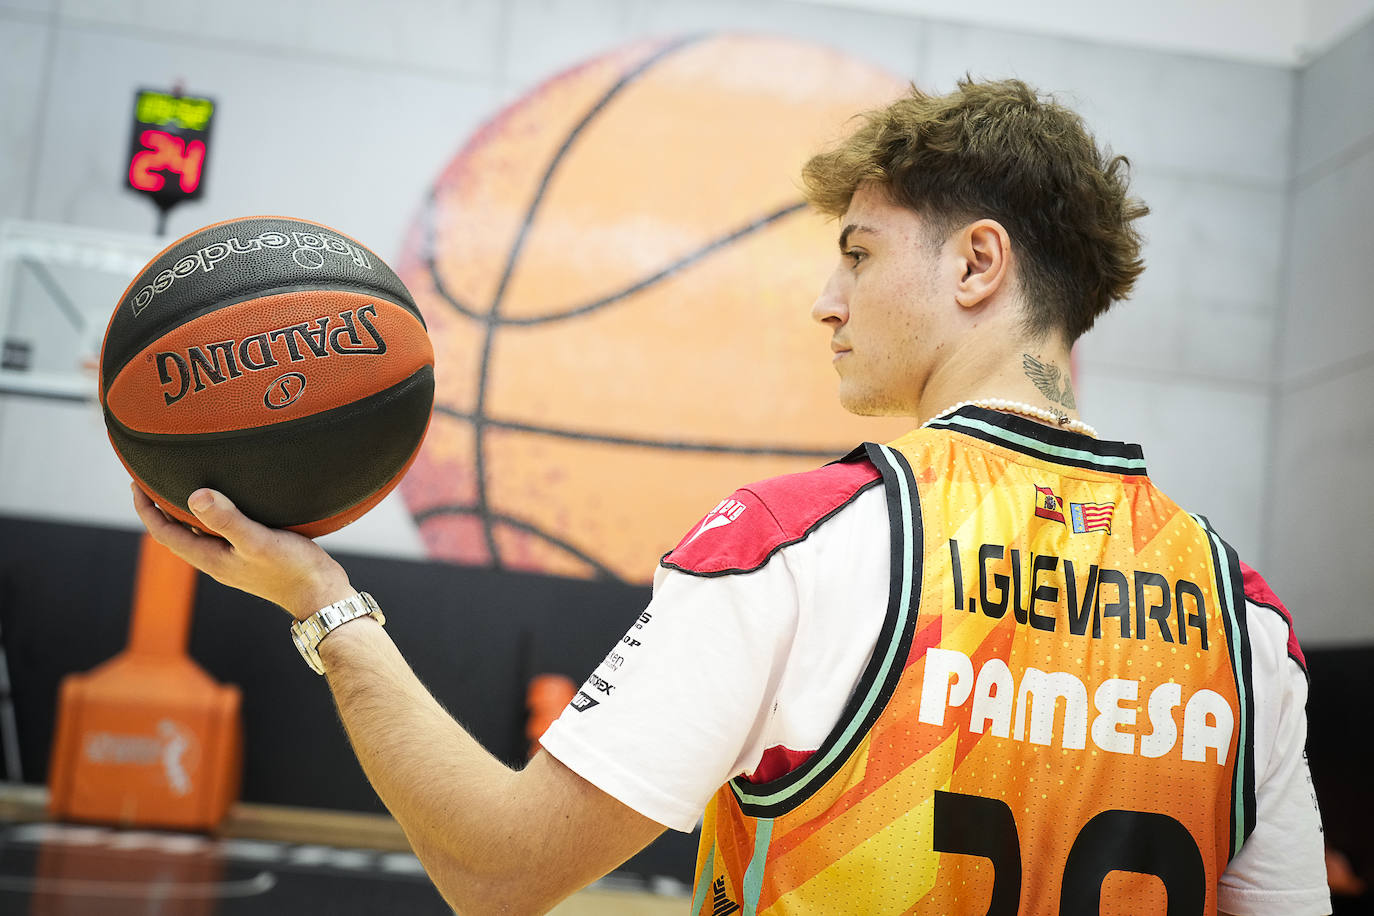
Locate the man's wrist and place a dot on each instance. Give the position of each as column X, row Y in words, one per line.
column 311, row 633
column 341, row 639
column 310, row 602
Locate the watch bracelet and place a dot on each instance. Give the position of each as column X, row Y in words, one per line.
column 307, row 634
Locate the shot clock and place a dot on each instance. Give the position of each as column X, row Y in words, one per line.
column 168, row 146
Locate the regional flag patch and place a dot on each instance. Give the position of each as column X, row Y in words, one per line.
column 1047, row 505
column 1091, row 517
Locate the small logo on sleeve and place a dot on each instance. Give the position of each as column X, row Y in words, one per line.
column 725, row 512
column 583, row 702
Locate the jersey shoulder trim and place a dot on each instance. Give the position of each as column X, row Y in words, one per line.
column 1257, row 591
column 743, row 532
column 1058, row 446
column 1234, row 611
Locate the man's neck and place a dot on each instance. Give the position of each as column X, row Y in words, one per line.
column 1036, row 374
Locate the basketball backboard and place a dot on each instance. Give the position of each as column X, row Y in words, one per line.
column 58, row 286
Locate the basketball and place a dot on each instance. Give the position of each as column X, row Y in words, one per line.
column 275, row 360
column 618, row 271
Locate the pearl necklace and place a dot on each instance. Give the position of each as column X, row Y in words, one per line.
column 1027, row 410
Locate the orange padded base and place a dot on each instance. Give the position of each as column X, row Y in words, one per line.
column 148, row 738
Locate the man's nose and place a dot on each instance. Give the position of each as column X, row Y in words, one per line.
column 832, row 305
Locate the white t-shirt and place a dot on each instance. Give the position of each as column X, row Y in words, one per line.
column 722, row 673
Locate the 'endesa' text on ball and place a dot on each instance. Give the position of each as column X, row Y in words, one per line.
column 309, row 251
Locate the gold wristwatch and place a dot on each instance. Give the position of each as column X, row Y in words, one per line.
column 308, row 633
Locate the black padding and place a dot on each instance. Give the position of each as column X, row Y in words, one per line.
column 290, row 473
column 339, row 263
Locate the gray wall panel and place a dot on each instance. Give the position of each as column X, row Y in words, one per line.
column 23, row 74
column 1324, row 508
column 1331, row 269
column 1318, row 531
column 1336, row 101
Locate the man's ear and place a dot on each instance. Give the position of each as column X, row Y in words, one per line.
column 983, row 248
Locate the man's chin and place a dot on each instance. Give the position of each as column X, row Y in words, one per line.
column 863, row 405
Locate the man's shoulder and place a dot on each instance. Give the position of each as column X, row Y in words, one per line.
column 744, row 530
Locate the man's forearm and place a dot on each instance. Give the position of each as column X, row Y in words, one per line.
column 452, row 798
column 492, row 839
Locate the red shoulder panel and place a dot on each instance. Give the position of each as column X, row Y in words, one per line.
column 743, row 531
column 1258, row 591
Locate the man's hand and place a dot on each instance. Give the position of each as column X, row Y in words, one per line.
column 281, row 566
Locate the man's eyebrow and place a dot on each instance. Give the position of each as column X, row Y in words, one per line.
column 853, row 227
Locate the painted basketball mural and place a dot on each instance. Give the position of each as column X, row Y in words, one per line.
column 617, row 273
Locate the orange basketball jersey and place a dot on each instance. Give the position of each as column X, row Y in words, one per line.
column 1056, row 716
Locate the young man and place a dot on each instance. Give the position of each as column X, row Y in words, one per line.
column 987, row 668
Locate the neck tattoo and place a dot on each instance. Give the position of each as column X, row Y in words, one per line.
column 1054, row 384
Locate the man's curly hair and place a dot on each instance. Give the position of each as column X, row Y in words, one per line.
column 997, row 150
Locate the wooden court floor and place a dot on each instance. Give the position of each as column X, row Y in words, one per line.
column 263, row 861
